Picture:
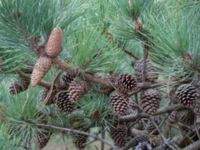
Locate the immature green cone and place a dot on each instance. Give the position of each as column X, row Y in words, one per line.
column 77, row 88
column 54, row 43
column 119, row 103
column 63, row 102
column 150, row 71
column 41, row 67
column 119, row 134
column 149, row 101
column 126, row 83
column 186, row 94
column 18, row 86
column 80, row 141
column 42, row 138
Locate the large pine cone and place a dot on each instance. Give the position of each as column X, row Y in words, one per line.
column 119, row 103
column 77, row 89
column 54, row 43
column 119, row 134
column 63, row 102
column 149, row 100
column 41, row 67
column 150, row 71
column 126, row 83
column 186, row 94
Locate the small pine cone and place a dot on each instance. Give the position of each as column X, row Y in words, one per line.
column 172, row 117
column 119, row 103
column 150, row 99
column 141, row 142
column 18, row 86
column 54, row 43
column 151, row 73
column 42, row 138
column 41, row 67
column 77, row 88
column 80, row 141
column 119, row 134
column 186, row 94
column 126, row 83
column 186, row 116
column 150, row 127
column 63, row 102
column 44, row 94
column 64, row 80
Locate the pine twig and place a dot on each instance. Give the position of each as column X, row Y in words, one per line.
column 164, row 110
column 69, row 131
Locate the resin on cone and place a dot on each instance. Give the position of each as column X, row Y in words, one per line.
column 40, row 69
column 126, row 83
column 149, row 101
column 54, row 43
column 119, row 103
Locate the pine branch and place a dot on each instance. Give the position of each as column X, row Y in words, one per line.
column 164, row 110
column 130, row 54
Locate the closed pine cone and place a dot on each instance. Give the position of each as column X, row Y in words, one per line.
column 151, row 73
column 80, row 141
column 149, row 100
column 42, row 138
column 63, row 102
column 64, row 80
column 126, row 83
column 18, row 86
column 77, row 88
column 54, row 43
column 141, row 142
column 119, row 134
column 186, row 94
column 119, row 103
column 41, row 67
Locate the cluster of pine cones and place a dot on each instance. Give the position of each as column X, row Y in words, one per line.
column 70, row 88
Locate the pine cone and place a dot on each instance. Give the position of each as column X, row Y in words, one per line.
column 64, row 80
column 41, row 67
column 42, row 138
column 54, row 43
column 77, row 88
column 150, row 127
column 150, row 71
column 43, row 96
column 141, row 142
column 150, row 99
column 126, row 83
column 186, row 116
column 186, row 94
column 18, row 86
column 63, row 102
column 80, row 141
column 119, row 135
column 119, row 103
column 132, row 108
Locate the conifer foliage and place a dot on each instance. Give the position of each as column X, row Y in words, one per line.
column 124, row 73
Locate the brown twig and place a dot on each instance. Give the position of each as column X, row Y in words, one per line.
column 159, row 112
column 69, row 131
